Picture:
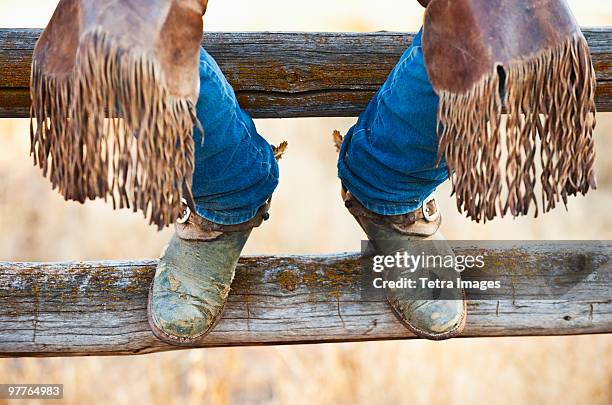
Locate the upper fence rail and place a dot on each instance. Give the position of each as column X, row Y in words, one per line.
column 286, row 75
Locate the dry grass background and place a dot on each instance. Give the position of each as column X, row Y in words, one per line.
column 307, row 217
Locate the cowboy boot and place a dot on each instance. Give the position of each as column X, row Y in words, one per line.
column 194, row 275
column 424, row 311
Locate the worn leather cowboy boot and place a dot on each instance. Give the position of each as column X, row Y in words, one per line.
column 419, row 311
column 194, row 275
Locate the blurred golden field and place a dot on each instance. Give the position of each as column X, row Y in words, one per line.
column 307, row 217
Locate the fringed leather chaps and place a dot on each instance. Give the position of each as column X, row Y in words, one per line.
column 138, row 62
column 530, row 58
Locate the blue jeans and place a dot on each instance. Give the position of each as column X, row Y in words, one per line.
column 235, row 169
column 388, row 160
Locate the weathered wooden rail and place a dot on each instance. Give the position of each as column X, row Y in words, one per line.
column 282, row 75
column 99, row 308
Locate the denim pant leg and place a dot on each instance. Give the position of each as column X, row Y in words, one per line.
column 235, row 169
column 388, row 160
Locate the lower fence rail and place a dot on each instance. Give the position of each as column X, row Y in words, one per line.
column 99, row 308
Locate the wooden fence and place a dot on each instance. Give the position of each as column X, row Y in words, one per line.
column 99, row 308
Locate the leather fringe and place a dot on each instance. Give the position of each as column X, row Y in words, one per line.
column 550, row 102
column 140, row 160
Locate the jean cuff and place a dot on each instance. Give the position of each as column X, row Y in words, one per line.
column 228, row 217
column 386, row 208
column 236, row 216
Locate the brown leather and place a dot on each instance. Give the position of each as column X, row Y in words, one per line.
column 197, row 228
column 140, row 58
column 530, row 57
column 424, row 3
column 170, row 29
column 463, row 40
column 414, row 223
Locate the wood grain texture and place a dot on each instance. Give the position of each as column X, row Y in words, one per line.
column 284, row 75
column 99, row 308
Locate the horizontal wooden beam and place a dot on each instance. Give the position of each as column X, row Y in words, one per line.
column 99, row 308
column 283, row 75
